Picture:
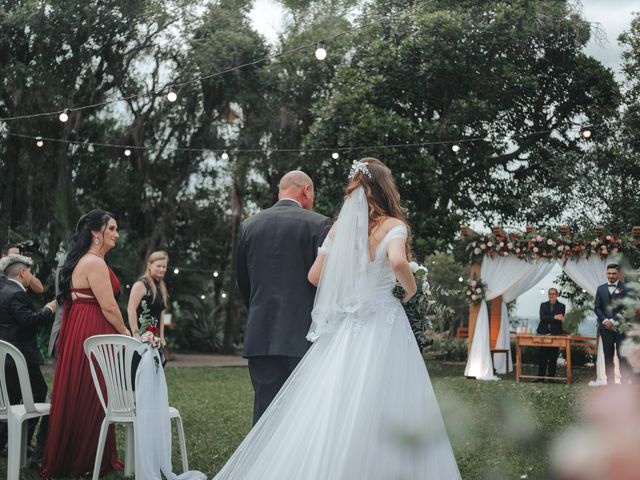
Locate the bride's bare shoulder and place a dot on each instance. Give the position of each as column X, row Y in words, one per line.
column 390, row 222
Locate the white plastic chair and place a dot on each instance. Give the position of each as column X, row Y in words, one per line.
column 17, row 416
column 113, row 355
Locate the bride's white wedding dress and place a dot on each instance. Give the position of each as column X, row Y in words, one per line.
column 360, row 405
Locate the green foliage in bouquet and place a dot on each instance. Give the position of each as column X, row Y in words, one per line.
column 424, row 305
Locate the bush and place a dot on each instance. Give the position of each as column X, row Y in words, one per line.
column 446, row 348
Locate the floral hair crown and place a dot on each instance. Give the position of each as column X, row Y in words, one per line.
column 358, row 166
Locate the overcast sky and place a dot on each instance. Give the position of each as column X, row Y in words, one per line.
column 611, row 16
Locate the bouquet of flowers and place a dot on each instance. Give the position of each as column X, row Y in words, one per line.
column 148, row 329
column 423, row 305
column 476, row 290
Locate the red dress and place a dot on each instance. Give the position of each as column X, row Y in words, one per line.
column 76, row 413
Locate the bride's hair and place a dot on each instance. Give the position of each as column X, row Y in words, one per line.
column 382, row 195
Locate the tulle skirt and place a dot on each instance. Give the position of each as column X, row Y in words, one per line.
column 359, row 406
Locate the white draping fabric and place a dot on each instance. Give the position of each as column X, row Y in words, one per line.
column 152, row 423
column 536, row 272
column 499, row 274
column 589, row 273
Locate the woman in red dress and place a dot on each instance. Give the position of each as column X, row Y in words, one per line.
column 89, row 289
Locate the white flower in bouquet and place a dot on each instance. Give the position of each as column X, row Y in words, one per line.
column 414, row 267
column 477, row 251
column 478, row 290
column 474, row 297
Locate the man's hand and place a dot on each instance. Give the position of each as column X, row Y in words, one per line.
column 608, row 324
column 558, row 317
column 52, row 305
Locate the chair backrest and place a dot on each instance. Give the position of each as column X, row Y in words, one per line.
column 8, row 350
column 113, row 354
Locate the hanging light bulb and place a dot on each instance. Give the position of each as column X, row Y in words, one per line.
column 335, row 155
column 39, row 142
column 321, row 53
column 225, row 155
column 64, row 116
column 224, row 295
column 455, row 148
column 585, row 133
column 172, row 96
column 460, row 279
column 176, row 271
column 127, row 152
column 202, row 297
column 215, row 274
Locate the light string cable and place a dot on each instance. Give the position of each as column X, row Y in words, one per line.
column 222, row 72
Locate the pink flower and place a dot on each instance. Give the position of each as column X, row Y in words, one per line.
column 502, row 244
column 483, row 246
column 560, row 248
column 473, row 244
column 468, row 292
column 535, row 249
column 608, row 237
column 517, row 250
column 477, row 251
column 509, row 245
column 474, row 298
column 489, row 244
column 474, row 283
column 478, row 290
column 550, row 242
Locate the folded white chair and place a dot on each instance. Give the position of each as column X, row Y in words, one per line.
column 17, row 416
column 113, row 356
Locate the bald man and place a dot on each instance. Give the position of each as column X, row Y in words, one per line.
column 275, row 251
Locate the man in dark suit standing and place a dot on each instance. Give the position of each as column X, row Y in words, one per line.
column 607, row 295
column 551, row 318
column 19, row 322
column 274, row 253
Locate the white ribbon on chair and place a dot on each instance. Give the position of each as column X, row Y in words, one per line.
column 499, row 274
column 537, row 271
column 589, row 273
column 152, row 422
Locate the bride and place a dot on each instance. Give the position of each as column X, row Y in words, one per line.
column 360, row 405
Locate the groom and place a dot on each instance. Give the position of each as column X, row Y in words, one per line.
column 274, row 253
column 607, row 309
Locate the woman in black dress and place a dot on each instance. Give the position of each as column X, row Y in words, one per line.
column 151, row 289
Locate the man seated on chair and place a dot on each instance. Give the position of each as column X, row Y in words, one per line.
column 551, row 317
column 19, row 322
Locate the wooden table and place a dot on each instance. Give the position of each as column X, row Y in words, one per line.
column 545, row 341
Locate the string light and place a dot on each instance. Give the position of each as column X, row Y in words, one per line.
column 224, row 295
column 202, row 297
column 225, row 155
column 39, row 142
column 64, row 116
column 176, row 271
column 585, row 133
column 460, row 279
column 321, row 52
column 127, row 152
column 215, row 274
column 172, row 96
column 335, row 155
column 455, row 148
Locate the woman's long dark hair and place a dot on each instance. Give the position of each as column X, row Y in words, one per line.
column 79, row 246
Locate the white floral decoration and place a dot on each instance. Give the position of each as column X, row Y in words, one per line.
column 358, row 166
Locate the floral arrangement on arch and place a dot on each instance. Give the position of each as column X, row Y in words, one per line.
column 549, row 244
column 476, row 290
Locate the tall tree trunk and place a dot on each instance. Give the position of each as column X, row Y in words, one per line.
column 11, row 173
column 238, row 192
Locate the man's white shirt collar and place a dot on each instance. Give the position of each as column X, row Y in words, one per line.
column 15, row 281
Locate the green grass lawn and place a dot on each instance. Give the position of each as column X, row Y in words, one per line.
column 499, row 430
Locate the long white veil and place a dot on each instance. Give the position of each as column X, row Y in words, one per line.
column 344, row 280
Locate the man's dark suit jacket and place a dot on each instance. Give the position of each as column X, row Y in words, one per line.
column 19, row 321
column 603, row 306
column 275, row 251
column 548, row 325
